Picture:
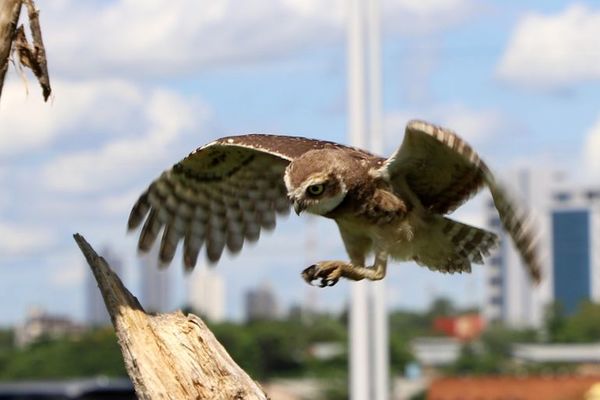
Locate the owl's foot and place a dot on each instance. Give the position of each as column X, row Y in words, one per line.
column 328, row 271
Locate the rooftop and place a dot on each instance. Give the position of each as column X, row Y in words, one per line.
column 514, row 388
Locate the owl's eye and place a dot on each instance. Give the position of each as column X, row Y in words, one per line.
column 315, row 190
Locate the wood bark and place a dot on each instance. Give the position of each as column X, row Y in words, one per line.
column 9, row 17
column 168, row 356
column 12, row 37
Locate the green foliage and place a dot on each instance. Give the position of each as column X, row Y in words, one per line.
column 94, row 353
column 555, row 321
column 240, row 345
column 6, row 340
column 400, row 354
column 441, row 307
column 282, row 348
column 492, row 355
column 336, row 388
column 584, row 325
column 473, row 361
column 581, row 327
column 268, row 349
column 405, row 326
column 420, row 396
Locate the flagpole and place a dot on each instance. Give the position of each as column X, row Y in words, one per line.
column 368, row 324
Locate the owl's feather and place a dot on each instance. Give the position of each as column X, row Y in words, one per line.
column 438, row 166
column 220, row 196
column 452, row 246
column 444, row 171
column 224, row 193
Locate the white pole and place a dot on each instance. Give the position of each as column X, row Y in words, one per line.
column 379, row 337
column 358, row 351
column 356, row 75
column 374, row 70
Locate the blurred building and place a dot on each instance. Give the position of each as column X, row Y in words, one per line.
column 155, row 283
column 206, row 294
column 564, row 353
column 575, row 237
column 568, row 224
column 463, row 327
column 435, row 352
column 40, row 325
column 261, row 304
column 95, row 312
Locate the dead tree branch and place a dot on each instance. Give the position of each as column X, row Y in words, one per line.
column 32, row 56
column 9, row 17
column 168, row 356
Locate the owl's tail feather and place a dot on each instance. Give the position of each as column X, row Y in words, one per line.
column 456, row 246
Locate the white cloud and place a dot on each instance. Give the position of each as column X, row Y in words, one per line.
column 162, row 116
column 20, row 240
column 79, row 108
column 475, row 126
column 161, row 38
column 118, row 204
column 554, row 51
column 426, row 16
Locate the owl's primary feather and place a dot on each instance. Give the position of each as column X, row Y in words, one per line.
column 444, row 172
column 220, row 195
column 225, row 192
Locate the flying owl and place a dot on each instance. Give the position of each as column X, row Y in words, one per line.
column 225, row 192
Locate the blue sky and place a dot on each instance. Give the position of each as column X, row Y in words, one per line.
column 138, row 85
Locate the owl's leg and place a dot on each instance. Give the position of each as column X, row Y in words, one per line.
column 331, row 271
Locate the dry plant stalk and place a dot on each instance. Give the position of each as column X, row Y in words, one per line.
column 31, row 56
column 168, row 356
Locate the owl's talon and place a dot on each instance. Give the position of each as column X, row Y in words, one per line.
column 309, row 274
column 328, row 272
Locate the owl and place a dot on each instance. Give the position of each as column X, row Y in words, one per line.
column 227, row 191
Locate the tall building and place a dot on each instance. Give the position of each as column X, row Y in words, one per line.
column 96, row 314
column 261, row 303
column 569, row 223
column 155, row 282
column 576, row 247
column 206, row 293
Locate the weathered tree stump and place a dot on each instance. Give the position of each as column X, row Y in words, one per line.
column 168, row 356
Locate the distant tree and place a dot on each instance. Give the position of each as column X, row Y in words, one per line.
column 441, row 307
column 95, row 353
column 584, row 325
column 400, row 353
column 492, row 353
column 240, row 344
column 555, row 322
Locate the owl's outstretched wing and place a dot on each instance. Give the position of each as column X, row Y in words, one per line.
column 443, row 171
column 438, row 166
column 219, row 196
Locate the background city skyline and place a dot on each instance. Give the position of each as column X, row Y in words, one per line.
column 518, row 80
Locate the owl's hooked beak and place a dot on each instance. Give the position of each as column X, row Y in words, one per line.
column 299, row 207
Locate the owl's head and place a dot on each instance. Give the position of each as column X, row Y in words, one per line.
column 315, row 181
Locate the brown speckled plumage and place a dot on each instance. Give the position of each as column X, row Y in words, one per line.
column 227, row 191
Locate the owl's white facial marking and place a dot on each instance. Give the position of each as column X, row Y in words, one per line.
column 319, row 194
